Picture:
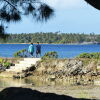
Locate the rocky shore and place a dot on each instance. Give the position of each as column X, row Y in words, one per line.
column 79, row 78
column 77, row 71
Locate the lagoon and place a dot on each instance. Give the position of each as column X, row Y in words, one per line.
column 63, row 50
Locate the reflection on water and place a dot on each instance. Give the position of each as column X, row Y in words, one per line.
column 10, row 82
column 35, row 81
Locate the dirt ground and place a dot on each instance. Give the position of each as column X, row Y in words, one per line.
column 76, row 91
column 89, row 92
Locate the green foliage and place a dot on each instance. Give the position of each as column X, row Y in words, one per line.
column 52, row 38
column 10, row 12
column 1, row 60
column 6, row 64
column 90, row 55
column 20, row 53
column 50, row 55
column 84, row 55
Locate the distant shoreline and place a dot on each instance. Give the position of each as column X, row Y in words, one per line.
column 84, row 43
column 23, row 43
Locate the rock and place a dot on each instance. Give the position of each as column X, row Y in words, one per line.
column 22, row 69
column 2, row 68
column 60, row 68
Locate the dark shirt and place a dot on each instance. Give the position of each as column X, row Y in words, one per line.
column 38, row 47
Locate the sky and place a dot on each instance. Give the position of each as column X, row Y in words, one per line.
column 70, row 16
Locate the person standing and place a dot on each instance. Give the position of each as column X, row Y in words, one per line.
column 38, row 50
column 31, row 49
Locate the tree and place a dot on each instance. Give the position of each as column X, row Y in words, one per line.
column 94, row 3
column 13, row 10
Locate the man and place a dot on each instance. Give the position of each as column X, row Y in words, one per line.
column 38, row 49
column 31, row 49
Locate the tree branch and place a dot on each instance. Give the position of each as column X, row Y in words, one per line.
column 10, row 4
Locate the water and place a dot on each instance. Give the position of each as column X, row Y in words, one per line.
column 33, row 82
column 64, row 51
column 30, row 81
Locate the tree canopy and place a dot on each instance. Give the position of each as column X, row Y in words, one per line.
column 50, row 37
column 94, row 3
column 13, row 10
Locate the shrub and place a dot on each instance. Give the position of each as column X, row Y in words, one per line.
column 20, row 53
column 6, row 64
column 1, row 60
column 90, row 55
column 49, row 55
column 84, row 55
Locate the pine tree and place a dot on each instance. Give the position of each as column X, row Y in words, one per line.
column 94, row 3
column 13, row 10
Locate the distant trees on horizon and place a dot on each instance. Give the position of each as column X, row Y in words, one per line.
column 13, row 10
column 51, row 38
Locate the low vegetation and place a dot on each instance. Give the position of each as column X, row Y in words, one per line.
column 4, row 63
column 21, row 53
column 90, row 55
column 50, row 55
column 52, row 38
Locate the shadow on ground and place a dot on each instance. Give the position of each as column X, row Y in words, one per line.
column 18, row 93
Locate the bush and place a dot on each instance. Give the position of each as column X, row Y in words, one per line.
column 1, row 60
column 90, row 55
column 20, row 53
column 49, row 55
column 84, row 55
column 6, row 64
